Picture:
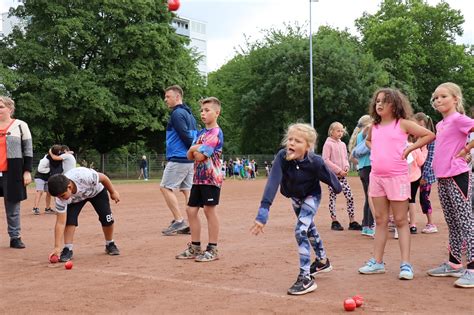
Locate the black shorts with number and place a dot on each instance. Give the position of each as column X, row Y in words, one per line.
column 204, row 195
column 101, row 206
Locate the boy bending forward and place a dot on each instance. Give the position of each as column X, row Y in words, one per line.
column 72, row 190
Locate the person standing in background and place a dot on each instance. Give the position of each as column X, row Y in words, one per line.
column 181, row 131
column 16, row 161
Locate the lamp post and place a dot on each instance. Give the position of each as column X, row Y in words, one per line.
column 311, row 101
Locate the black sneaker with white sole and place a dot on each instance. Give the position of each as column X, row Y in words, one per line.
column 303, row 285
column 112, row 249
column 66, row 255
column 319, row 267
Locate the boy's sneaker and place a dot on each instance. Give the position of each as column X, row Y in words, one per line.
column 49, row 210
column 466, row 280
column 36, row 211
column 210, row 254
column 406, row 272
column 336, row 226
column 175, row 227
column 303, row 285
column 66, row 255
column 112, row 249
column 372, row 267
column 430, row 228
column 395, row 234
column 191, row 252
column 318, row 267
column 413, row 229
column 446, row 270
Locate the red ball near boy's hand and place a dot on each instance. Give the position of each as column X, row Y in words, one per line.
column 53, row 259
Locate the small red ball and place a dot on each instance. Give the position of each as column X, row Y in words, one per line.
column 358, row 299
column 349, row 304
column 53, row 259
column 173, row 5
column 68, row 265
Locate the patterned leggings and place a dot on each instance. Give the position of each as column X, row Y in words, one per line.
column 346, row 190
column 305, row 231
column 459, row 217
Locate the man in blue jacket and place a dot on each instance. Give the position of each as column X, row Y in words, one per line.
column 178, row 174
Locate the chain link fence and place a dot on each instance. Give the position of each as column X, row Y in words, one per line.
column 127, row 166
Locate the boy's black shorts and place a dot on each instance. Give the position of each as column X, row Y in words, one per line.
column 101, row 205
column 204, row 195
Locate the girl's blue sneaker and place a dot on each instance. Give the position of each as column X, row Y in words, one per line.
column 372, row 267
column 406, row 272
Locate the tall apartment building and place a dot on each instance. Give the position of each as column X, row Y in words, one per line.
column 196, row 32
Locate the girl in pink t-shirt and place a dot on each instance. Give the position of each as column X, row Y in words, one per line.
column 454, row 182
column 335, row 156
column 389, row 185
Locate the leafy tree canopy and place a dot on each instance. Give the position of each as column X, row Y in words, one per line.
column 91, row 74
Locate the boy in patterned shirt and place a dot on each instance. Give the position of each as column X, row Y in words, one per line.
column 72, row 190
column 206, row 153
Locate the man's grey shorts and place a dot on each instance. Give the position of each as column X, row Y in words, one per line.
column 41, row 185
column 178, row 176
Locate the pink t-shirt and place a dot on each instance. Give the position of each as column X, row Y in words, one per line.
column 451, row 135
column 386, row 155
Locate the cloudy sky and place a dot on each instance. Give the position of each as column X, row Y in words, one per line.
column 229, row 20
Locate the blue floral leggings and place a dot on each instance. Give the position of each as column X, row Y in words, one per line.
column 305, row 231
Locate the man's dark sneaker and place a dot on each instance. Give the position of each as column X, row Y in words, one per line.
column 16, row 243
column 303, row 285
column 175, row 227
column 336, row 226
column 184, row 231
column 355, row 226
column 167, row 228
column 66, row 255
column 112, row 249
column 413, row 229
column 318, row 267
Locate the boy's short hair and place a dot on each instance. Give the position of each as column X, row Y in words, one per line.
column 175, row 88
column 57, row 185
column 213, row 100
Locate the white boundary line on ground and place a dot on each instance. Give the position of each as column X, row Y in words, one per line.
column 310, row 298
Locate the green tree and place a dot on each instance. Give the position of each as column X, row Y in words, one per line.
column 416, row 43
column 91, row 73
column 266, row 86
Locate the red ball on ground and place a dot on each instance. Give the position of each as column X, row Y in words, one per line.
column 358, row 299
column 53, row 259
column 349, row 304
column 173, row 5
column 68, row 265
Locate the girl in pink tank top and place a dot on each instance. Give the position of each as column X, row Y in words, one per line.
column 389, row 185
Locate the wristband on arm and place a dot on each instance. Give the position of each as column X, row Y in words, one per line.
column 262, row 215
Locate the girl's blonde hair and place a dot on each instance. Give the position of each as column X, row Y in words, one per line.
column 334, row 125
column 362, row 123
column 309, row 133
column 401, row 107
column 8, row 102
column 455, row 91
